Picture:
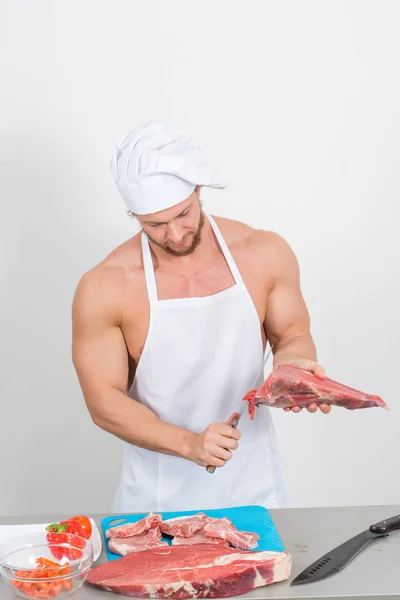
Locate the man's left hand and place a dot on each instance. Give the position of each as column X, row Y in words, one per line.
column 314, row 367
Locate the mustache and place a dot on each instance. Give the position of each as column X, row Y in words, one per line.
column 192, row 247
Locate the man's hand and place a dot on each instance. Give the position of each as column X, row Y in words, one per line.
column 314, row 367
column 215, row 445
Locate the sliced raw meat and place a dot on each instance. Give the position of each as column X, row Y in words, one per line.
column 203, row 571
column 137, row 528
column 184, row 526
column 197, row 538
column 137, row 543
column 225, row 530
column 289, row 386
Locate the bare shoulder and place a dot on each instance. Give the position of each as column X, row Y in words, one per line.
column 267, row 248
column 101, row 289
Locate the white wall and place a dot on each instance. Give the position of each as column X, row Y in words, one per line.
column 299, row 102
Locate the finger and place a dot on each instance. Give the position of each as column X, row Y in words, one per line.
column 227, row 431
column 219, row 452
column 213, row 461
column 296, row 409
column 325, row 408
column 225, row 442
column 312, row 408
column 287, row 409
column 214, row 440
column 319, row 371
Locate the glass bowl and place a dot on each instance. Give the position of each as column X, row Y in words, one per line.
column 33, row 567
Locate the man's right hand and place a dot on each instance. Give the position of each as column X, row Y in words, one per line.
column 215, row 445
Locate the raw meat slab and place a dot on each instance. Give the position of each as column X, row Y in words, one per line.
column 203, row 571
column 140, row 542
column 197, row 538
column 224, row 529
column 183, row 526
column 141, row 526
column 246, row 518
column 288, row 386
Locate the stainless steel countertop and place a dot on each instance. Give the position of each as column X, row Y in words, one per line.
column 307, row 533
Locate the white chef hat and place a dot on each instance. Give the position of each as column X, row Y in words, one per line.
column 158, row 166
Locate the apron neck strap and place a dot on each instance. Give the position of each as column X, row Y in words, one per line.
column 226, row 252
column 149, row 270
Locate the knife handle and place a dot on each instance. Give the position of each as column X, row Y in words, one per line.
column 387, row 525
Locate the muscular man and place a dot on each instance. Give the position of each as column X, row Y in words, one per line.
column 169, row 333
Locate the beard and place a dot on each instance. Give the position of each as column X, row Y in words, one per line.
column 196, row 239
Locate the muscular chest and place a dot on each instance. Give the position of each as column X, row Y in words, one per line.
column 209, row 280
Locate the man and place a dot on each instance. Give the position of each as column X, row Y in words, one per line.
column 169, row 333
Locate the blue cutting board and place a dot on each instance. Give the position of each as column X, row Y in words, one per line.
column 247, row 518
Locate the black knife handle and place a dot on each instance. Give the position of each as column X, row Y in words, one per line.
column 387, row 525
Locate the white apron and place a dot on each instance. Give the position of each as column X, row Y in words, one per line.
column 200, row 357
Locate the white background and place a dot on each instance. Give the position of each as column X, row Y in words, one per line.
column 298, row 101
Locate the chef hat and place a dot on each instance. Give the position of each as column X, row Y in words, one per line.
column 159, row 165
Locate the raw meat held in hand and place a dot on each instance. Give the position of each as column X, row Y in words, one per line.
column 288, row 386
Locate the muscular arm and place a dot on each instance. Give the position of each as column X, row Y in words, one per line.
column 287, row 320
column 100, row 358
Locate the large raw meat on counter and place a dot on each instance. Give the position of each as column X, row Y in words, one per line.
column 289, row 386
column 199, row 571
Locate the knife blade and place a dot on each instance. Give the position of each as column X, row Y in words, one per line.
column 235, row 421
column 338, row 558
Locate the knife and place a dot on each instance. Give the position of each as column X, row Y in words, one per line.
column 338, row 558
column 236, row 418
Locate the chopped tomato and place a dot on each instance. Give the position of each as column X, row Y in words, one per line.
column 43, row 589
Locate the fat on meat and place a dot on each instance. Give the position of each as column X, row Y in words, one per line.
column 197, row 538
column 123, row 531
column 184, row 526
column 224, row 529
column 137, row 543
